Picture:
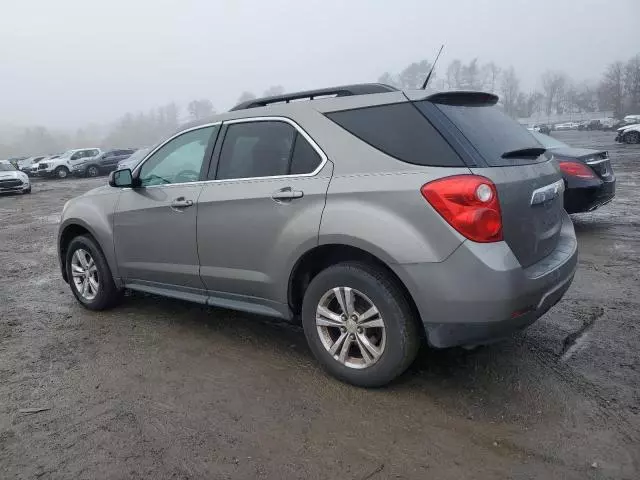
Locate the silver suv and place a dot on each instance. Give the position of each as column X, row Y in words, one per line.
column 374, row 216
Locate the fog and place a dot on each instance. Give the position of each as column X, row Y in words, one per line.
column 69, row 62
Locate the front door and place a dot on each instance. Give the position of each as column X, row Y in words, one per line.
column 155, row 223
column 263, row 210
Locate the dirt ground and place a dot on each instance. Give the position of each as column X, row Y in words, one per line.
column 162, row 389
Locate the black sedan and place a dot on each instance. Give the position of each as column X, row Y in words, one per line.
column 588, row 175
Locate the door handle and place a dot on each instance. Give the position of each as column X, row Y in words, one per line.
column 286, row 194
column 181, row 203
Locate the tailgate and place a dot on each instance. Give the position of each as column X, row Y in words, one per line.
column 531, row 201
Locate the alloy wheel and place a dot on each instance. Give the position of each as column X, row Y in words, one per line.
column 92, row 171
column 351, row 327
column 85, row 274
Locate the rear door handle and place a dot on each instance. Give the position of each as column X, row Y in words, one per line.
column 181, row 203
column 286, row 194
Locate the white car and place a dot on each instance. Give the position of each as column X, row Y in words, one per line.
column 632, row 119
column 629, row 134
column 12, row 180
column 63, row 165
column 567, row 126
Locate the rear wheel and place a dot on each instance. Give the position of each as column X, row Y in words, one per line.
column 359, row 324
column 89, row 275
column 92, row 171
column 632, row 137
column 61, row 172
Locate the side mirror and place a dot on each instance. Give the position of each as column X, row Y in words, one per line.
column 121, row 178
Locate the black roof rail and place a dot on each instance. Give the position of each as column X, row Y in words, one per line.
column 344, row 91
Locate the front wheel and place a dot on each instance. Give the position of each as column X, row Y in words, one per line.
column 359, row 324
column 28, row 190
column 89, row 275
column 632, row 137
column 62, row 172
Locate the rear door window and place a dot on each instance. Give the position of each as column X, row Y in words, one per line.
column 304, row 158
column 401, row 131
column 492, row 132
column 256, row 149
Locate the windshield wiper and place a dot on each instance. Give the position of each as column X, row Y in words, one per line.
column 532, row 152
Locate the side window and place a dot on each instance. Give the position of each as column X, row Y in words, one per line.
column 401, row 131
column 304, row 159
column 76, row 156
column 256, row 149
column 178, row 161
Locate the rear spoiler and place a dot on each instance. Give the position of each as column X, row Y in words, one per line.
column 463, row 98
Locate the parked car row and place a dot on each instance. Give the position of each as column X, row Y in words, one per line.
column 606, row 124
column 85, row 162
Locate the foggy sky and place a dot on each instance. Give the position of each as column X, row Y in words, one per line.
column 66, row 63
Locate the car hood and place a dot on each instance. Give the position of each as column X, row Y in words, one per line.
column 103, row 190
column 635, row 126
column 571, row 152
column 9, row 175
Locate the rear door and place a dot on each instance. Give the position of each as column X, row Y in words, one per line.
column 528, row 181
column 262, row 210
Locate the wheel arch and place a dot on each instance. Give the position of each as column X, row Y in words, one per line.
column 320, row 257
column 67, row 233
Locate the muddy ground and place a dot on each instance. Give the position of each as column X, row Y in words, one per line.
column 162, row 389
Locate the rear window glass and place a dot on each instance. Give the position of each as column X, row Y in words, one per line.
column 492, row 133
column 401, row 131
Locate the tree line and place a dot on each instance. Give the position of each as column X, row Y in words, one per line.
column 618, row 90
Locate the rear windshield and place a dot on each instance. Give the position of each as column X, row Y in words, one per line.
column 492, row 132
column 401, row 131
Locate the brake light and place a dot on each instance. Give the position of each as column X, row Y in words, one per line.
column 576, row 169
column 469, row 203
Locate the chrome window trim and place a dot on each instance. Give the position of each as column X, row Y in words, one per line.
column 291, row 122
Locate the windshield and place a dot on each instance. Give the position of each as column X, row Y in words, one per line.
column 6, row 167
column 136, row 156
column 547, row 141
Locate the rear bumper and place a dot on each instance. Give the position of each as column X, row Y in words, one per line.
column 587, row 198
column 481, row 293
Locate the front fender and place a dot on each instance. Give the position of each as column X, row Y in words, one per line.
column 94, row 213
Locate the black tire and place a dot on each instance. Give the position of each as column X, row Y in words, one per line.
column 93, row 171
column 108, row 294
column 28, row 190
column 61, row 172
column 402, row 330
column 632, row 137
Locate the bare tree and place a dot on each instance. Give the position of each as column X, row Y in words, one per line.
column 414, row 75
column 246, row 96
column 200, row 109
column 389, row 79
column 470, row 76
column 553, row 84
column 510, row 87
column 611, row 89
column 273, row 91
column 454, row 74
column 632, row 84
column 490, row 74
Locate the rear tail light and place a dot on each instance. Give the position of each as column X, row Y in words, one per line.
column 576, row 169
column 469, row 203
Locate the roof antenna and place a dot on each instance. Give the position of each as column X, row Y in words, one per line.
column 424, row 85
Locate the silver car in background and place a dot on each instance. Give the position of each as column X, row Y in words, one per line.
column 375, row 217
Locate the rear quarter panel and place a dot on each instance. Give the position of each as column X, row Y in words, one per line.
column 386, row 215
